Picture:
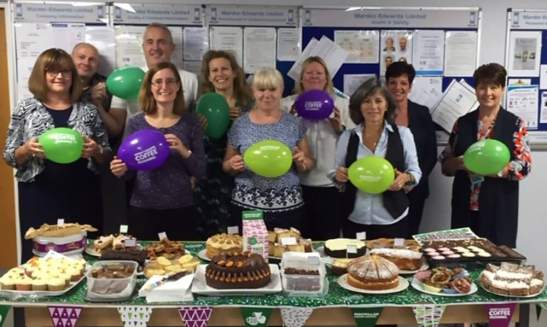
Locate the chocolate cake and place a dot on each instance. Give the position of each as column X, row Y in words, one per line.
column 238, row 270
column 337, row 248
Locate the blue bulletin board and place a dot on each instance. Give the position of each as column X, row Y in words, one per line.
column 320, row 22
column 526, row 53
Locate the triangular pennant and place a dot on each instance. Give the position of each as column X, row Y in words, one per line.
column 195, row 316
column 4, row 310
column 428, row 315
column 64, row 316
column 295, row 317
column 256, row 317
column 136, row 316
column 366, row 317
column 499, row 315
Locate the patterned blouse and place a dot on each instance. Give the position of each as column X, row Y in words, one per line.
column 31, row 119
column 256, row 192
column 516, row 170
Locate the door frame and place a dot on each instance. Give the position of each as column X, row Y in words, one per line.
column 12, row 82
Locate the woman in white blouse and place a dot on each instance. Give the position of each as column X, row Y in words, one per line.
column 379, row 215
column 321, row 221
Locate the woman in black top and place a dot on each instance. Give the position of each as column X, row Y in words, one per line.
column 399, row 78
column 47, row 190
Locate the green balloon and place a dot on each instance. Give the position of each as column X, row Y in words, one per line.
column 371, row 174
column 486, row 157
column 268, row 158
column 62, row 145
column 125, row 82
column 215, row 108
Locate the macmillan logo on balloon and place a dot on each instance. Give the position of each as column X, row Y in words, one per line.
column 313, row 105
column 146, row 155
column 63, row 138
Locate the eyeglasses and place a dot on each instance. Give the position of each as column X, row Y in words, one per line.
column 64, row 73
column 159, row 82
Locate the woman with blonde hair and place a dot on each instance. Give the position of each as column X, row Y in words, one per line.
column 279, row 198
column 318, row 189
column 162, row 199
column 48, row 190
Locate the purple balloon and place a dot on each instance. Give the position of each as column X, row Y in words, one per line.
column 314, row 105
column 146, row 149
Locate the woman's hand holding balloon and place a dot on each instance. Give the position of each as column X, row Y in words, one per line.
column 401, row 179
column 236, row 164
column 342, row 175
column 91, row 149
column 176, row 144
column 336, row 122
column 451, row 165
column 34, row 149
column 202, row 121
column 234, row 113
column 118, row 167
column 300, row 159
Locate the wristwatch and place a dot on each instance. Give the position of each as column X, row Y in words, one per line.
column 411, row 180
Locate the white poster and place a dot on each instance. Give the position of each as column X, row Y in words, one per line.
column 524, row 53
column 523, row 102
column 457, row 100
column 427, row 90
column 543, row 108
column 361, row 46
column 129, row 46
column 33, row 38
column 103, row 39
column 460, row 53
column 353, row 81
column 229, row 39
column 543, row 77
column 259, row 48
column 288, row 44
column 333, row 55
column 395, row 46
column 196, row 43
column 428, row 54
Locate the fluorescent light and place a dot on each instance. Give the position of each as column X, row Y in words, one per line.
column 353, row 8
column 125, row 6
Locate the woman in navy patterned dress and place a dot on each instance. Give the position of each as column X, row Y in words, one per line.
column 279, row 198
column 220, row 73
column 47, row 190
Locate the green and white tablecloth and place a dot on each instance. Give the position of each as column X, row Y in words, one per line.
column 336, row 297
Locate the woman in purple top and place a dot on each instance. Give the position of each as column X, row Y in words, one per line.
column 162, row 198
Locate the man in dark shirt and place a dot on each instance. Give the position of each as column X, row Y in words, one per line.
column 86, row 58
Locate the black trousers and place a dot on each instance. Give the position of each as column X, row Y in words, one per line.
column 415, row 212
column 320, row 219
column 396, row 230
column 178, row 224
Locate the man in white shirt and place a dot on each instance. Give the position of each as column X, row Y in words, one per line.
column 158, row 46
